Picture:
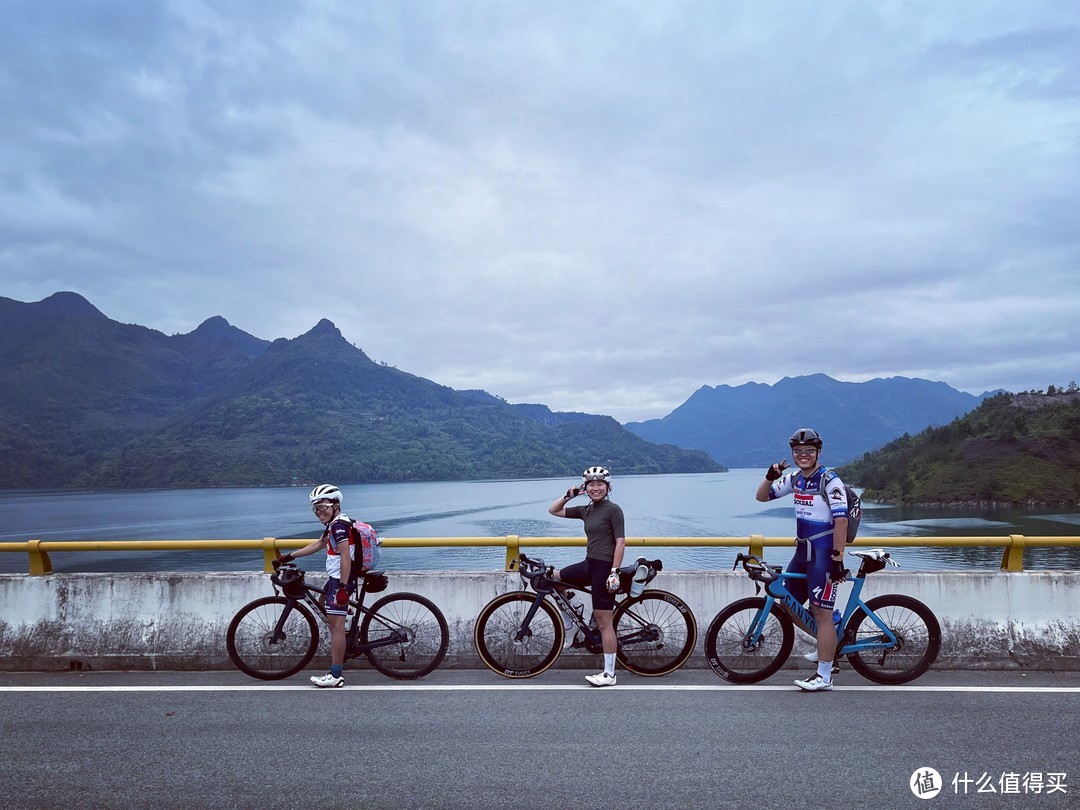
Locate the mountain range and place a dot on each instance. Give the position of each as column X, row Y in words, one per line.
column 90, row 402
column 749, row 425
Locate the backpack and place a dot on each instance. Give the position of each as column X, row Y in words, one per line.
column 854, row 504
column 367, row 543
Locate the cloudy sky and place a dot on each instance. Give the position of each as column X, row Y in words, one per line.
column 599, row 206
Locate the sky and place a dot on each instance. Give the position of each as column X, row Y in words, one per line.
column 596, row 206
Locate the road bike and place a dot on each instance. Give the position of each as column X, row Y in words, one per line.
column 887, row 639
column 403, row 635
column 520, row 634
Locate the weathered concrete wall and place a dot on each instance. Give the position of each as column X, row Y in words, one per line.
column 178, row 621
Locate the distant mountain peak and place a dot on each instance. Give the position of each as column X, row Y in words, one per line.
column 326, row 327
column 214, row 323
column 69, row 303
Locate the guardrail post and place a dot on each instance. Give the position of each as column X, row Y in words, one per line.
column 1013, row 558
column 269, row 553
column 39, row 560
column 757, row 545
column 512, row 551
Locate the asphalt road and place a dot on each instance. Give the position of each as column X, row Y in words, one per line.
column 471, row 739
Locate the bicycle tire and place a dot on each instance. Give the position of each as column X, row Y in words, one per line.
column 656, row 631
column 726, row 647
column 918, row 637
column 252, row 649
column 423, row 627
column 498, row 624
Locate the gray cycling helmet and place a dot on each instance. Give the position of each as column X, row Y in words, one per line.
column 325, row 492
column 805, row 436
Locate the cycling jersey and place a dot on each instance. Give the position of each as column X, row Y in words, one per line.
column 603, row 523
column 815, row 511
column 336, row 536
column 815, row 514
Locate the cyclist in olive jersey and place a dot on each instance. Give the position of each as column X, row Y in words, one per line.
column 821, row 537
column 606, row 535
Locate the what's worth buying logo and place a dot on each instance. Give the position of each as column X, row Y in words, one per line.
column 925, row 783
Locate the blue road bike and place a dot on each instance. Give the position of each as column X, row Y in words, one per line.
column 887, row 639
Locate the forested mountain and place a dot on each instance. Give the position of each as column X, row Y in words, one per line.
column 1012, row 449
column 93, row 403
column 749, row 425
column 76, row 385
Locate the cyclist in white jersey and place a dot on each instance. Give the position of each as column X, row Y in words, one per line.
column 821, row 536
column 342, row 566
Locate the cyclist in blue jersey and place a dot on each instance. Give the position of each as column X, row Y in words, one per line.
column 820, row 539
column 343, row 569
column 606, row 536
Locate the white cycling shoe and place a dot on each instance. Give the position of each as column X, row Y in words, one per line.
column 603, row 679
column 323, row 681
column 815, row 684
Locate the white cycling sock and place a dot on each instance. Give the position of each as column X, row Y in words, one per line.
column 609, row 663
column 824, row 669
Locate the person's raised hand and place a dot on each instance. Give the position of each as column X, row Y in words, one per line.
column 775, row 470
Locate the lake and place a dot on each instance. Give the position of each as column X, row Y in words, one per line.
column 699, row 505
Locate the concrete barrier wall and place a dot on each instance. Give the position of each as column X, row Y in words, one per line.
column 178, row 621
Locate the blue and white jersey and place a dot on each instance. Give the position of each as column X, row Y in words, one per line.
column 815, row 511
column 338, row 537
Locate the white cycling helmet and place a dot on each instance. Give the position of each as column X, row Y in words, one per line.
column 596, row 474
column 326, row 492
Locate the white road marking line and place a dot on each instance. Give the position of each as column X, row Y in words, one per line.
column 533, row 687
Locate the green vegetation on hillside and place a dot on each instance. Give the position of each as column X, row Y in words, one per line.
column 93, row 403
column 1018, row 449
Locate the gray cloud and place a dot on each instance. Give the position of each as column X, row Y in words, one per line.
column 600, row 208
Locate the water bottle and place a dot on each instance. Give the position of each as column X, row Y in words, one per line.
column 637, row 584
column 576, row 605
column 836, row 617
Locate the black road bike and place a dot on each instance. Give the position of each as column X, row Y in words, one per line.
column 403, row 635
column 520, row 634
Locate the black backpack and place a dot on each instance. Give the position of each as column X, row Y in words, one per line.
column 854, row 504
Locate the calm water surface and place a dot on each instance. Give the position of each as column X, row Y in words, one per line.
column 701, row 505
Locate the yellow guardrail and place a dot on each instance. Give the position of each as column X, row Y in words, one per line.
column 1012, row 559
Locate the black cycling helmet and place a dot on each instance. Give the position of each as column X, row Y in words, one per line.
column 805, row 436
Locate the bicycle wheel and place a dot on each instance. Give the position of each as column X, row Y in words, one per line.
column 499, row 625
column 418, row 629
column 918, row 639
column 254, row 649
column 731, row 653
column 656, row 632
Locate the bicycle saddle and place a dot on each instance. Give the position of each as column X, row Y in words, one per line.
column 877, row 555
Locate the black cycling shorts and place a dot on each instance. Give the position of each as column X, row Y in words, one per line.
column 593, row 574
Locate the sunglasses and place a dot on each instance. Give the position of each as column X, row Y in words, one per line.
column 321, row 507
column 803, row 451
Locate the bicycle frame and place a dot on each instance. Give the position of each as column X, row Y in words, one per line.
column 845, row 646
column 593, row 641
column 313, row 598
